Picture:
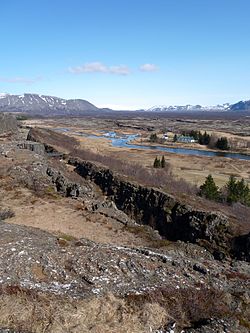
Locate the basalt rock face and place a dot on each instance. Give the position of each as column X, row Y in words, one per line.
column 161, row 211
column 67, row 187
column 241, row 247
column 34, row 137
column 36, row 147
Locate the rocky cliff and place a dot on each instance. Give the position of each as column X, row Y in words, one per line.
column 161, row 211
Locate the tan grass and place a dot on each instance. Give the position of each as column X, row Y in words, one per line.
column 107, row 314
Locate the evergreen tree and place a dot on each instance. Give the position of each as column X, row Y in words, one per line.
column 163, row 162
column 200, row 138
column 238, row 191
column 231, row 189
column 157, row 163
column 153, row 138
column 209, row 189
column 206, row 138
column 194, row 134
column 222, row 144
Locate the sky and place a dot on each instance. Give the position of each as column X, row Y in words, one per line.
column 127, row 54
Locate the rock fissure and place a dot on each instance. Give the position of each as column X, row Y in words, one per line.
column 159, row 210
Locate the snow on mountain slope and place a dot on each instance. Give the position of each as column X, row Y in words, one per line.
column 164, row 108
column 42, row 104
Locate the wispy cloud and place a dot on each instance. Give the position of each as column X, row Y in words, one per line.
column 148, row 68
column 19, row 79
column 98, row 67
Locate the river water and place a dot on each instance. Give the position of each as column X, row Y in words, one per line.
column 124, row 141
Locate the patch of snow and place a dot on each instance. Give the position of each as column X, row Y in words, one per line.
column 3, row 95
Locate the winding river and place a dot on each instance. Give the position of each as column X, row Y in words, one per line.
column 124, row 141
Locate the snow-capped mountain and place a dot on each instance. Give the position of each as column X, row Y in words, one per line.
column 179, row 108
column 49, row 106
column 241, row 106
column 41, row 104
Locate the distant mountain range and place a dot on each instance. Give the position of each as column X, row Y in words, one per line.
column 179, row 108
column 41, row 104
column 240, row 106
column 49, row 105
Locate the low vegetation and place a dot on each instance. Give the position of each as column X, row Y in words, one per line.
column 156, row 177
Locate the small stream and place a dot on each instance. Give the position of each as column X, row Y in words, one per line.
column 124, row 141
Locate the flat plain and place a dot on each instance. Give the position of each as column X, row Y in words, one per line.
column 194, row 169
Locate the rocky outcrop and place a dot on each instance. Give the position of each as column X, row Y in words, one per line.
column 38, row 263
column 36, row 147
column 8, row 123
column 67, row 187
column 216, row 326
column 241, row 247
column 32, row 137
column 85, row 191
column 160, row 210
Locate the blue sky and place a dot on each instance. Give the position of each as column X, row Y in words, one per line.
column 127, row 54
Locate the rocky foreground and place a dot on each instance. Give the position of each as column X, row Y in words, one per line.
column 185, row 279
column 184, row 283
